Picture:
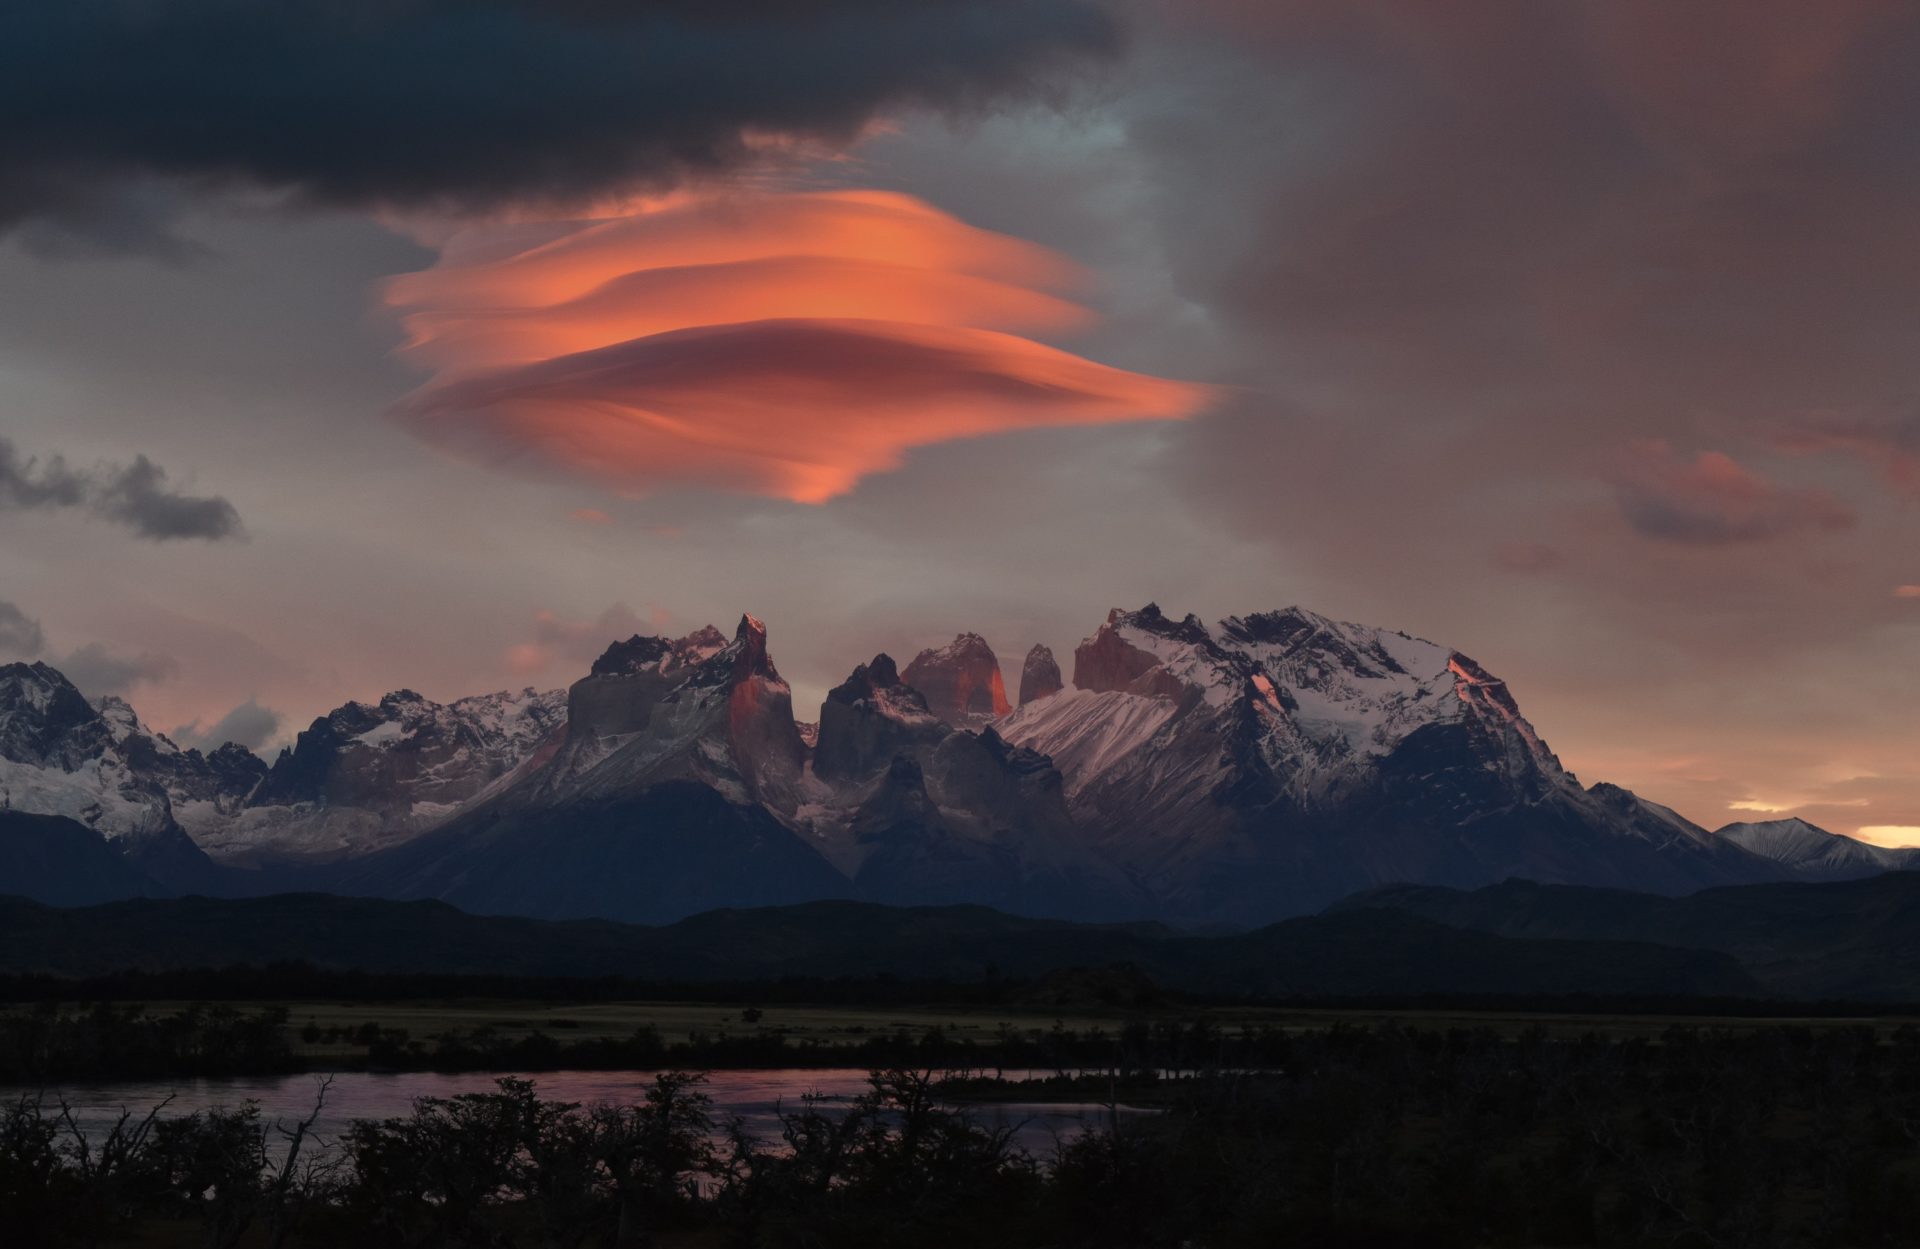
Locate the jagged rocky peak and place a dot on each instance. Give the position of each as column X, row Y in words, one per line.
column 98, row 764
column 702, row 709
column 868, row 719
column 233, row 761
column 961, row 681
column 880, row 675
column 39, row 708
column 746, row 656
column 640, row 653
column 1146, row 652
column 1039, row 676
column 407, row 749
column 618, row 694
column 763, row 741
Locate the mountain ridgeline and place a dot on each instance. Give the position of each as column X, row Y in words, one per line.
column 1231, row 774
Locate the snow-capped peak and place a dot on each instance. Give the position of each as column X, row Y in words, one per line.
column 1808, row 847
column 1318, row 702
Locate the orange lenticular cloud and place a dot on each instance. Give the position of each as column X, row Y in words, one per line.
column 785, row 344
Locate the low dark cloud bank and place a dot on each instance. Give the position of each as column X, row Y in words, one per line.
column 249, row 725
column 474, row 103
column 98, row 671
column 134, row 495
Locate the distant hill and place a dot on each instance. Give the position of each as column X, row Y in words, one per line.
column 65, row 863
column 1856, row 939
column 1368, row 952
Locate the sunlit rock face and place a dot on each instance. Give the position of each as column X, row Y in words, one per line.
column 1039, row 676
column 961, row 681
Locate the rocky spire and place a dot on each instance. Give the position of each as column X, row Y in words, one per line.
column 961, row 681
column 1039, row 676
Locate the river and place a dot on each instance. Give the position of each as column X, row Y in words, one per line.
column 754, row 1097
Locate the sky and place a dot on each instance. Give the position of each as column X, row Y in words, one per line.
column 351, row 346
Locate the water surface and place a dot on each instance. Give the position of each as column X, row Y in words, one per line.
column 754, row 1097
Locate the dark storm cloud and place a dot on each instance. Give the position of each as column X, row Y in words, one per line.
column 134, row 495
column 472, row 103
column 20, row 634
column 249, row 725
column 98, row 671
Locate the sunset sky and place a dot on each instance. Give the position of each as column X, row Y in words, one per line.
column 347, row 346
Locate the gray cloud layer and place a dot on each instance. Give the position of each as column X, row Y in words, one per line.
column 20, row 634
column 98, row 671
column 135, row 495
column 473, row 102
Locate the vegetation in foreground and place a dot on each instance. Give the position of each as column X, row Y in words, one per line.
column 1363, row 1136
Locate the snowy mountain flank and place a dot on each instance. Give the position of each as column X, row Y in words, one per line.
column 1240, row 772
column 359, row 778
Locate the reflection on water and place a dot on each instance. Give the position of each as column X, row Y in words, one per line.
column 754, row 1097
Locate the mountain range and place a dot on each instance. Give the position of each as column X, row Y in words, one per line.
column 1230, row 774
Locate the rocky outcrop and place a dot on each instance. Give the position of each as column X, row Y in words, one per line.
column 1132, row 653
column 407, row 750
column 1039, row 676
column 618, row 695
column 366, row 776
column 870, row 718
column 697, row 708
column 683, row 808
column 961, row 681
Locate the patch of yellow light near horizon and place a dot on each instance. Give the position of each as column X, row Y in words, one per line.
column 1890, row 834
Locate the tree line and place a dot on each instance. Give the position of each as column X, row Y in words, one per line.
column 299, row 980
